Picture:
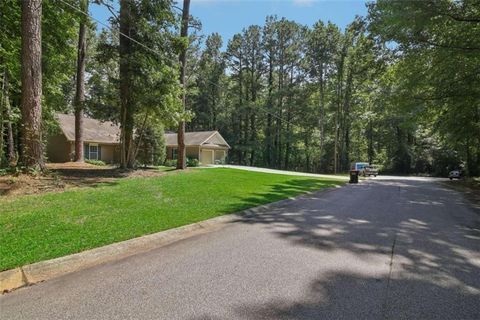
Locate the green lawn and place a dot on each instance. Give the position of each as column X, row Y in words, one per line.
column 165, row 169
column 40, row 227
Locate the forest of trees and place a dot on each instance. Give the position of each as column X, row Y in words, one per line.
column 399, row 88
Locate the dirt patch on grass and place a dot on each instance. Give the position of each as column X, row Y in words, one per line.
column 65, row 176
column 21, row 184
column 76, row 165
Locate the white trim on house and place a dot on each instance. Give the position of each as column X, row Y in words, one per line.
column 214, row 133
column 90, row 152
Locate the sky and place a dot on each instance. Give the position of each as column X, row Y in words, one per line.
column 228, row 17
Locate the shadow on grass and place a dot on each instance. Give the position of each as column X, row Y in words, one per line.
column 59, row 179
column 104, row 176
column 281, row 191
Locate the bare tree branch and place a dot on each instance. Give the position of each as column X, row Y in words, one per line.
column 109, row 7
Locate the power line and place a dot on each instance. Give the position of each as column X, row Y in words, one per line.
column 109, row 27
column 159, row 54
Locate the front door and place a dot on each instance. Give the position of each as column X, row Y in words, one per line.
column 207, row 156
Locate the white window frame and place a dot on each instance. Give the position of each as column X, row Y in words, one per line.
column 90, row 152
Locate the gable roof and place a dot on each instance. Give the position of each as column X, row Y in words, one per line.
column 93, row 130
column 107, row 132
column 198, row 138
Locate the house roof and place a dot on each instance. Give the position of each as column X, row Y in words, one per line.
column 109, row 133
column 93, row 130
column 198, row 138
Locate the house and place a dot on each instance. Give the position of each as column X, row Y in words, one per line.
column 101, row 140
column 208, row 147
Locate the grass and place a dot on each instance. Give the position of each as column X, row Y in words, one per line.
column 40, row 227
column 165, row 169
column 470, row 187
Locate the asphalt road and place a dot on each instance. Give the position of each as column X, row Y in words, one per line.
column 388, row 248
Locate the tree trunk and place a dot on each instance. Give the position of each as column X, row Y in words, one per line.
column 242, row 141
column 7, row 120
column 279, row 153
column 11, row 157
column 322, row 116
column 370, row 142
column 469, row 159
column 182, row 161
column 253, row 138
column 140, row 136
column 346, row 121
column 477, row 121
column 253, row 96
column 126, row 82
column 32, row 148
column 3, row 113
column 245, row 138
column 288, row 143
column 338, row 109
column 80, row 85
column 308, row 157
column 269, row 131
column 213, row 124
column 335, row 151
column 289, row 119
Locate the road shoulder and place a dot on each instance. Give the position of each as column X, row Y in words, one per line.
column 470, row 189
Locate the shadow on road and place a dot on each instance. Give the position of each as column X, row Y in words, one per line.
column 427, row 235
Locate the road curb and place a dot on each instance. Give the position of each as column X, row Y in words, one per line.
column 44, row 270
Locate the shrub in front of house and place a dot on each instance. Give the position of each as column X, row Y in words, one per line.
column 192, row 162
column 96, row 162
column 170, row 163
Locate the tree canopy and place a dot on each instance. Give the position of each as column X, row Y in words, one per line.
column 399, row 88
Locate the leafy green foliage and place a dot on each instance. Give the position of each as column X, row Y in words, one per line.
column 96, row 162
column 399, row 88
column 192, row 162
column 396, row 89
column 208, row 99
column 151, row 145
column 285, row 88
column 59, row 36
column 170, row 163
column 435, row 83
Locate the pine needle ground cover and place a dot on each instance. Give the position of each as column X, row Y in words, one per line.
column 40, row 227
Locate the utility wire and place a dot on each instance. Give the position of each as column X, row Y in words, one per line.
column 159, row 54
column 110, row 28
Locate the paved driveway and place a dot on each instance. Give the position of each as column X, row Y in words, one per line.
column 383, row 249
column 275, row 171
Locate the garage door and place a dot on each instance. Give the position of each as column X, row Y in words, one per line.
column 207, row 157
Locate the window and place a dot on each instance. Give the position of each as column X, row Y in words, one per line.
column 174, row 153
column 93, row 151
